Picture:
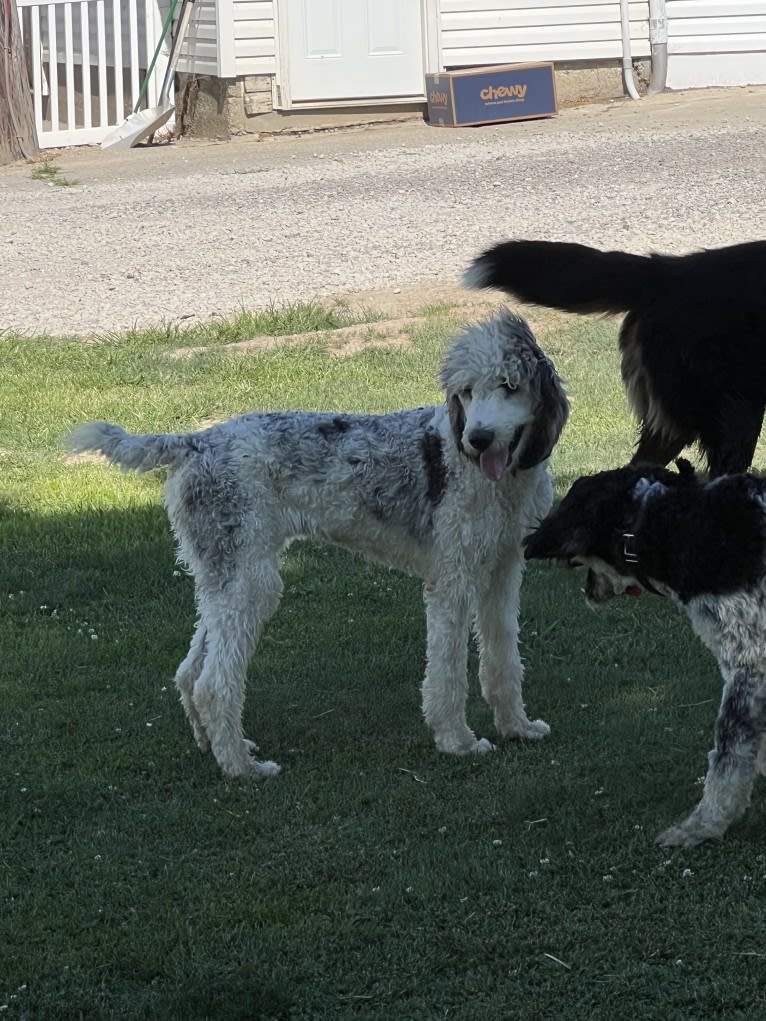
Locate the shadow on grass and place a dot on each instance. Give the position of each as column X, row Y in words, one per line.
column 94, row 607
column 138, row 882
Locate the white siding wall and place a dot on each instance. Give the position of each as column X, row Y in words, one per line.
column 711, row 42
column 514, row 31
column 716, row 42
column 254, row 42
column 229, row 38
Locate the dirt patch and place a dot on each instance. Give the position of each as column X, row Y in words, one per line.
column 343, row 342
column 402, row 310
column 85, row 457
column 417, row 299
column 465, row 306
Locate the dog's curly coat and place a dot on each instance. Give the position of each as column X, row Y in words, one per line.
column 446, row 493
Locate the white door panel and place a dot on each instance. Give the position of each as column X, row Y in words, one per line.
column 353, row 49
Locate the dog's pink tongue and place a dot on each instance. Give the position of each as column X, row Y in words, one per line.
column 634, row 590
column 493, row 465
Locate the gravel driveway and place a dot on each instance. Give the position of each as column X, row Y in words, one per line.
column 193, row 230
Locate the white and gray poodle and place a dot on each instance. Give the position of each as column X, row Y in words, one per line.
column 446, row 493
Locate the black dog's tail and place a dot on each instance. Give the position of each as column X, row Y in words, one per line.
column 573, row 278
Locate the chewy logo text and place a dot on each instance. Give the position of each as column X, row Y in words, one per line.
column 504, row 92
column 438, row 98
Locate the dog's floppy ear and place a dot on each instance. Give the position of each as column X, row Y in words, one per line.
column 550, row 417
column 457, row 420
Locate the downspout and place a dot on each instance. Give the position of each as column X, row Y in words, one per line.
column 658, row 41
column 627, row 61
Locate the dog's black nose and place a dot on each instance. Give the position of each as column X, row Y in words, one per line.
column 480, row 439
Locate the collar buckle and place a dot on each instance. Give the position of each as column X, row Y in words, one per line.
column 628, row 547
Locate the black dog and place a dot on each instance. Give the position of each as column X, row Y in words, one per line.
column 693, row 342
column 704, row 546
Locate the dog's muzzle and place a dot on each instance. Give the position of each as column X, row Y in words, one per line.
column 598, row 588
column 493, row 463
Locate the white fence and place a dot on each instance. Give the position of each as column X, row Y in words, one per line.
column 88, row 60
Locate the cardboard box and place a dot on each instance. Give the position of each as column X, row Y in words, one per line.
column 491, row 95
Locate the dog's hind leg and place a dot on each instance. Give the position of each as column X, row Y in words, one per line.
column 445, row 687
column 186, row 678
column 730, row 433
column 233, row 614
column 739, row 733
column 656, row 448
column 501, row 671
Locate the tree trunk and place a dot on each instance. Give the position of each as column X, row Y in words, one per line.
column 18, row 135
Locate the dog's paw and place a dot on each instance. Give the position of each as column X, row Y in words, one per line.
column 244, row 763
column 250, row 768
column 464, row 744
column 691, row 832
column 676, row 836
column 257, row 768
column 530, row 730
column 482, row 746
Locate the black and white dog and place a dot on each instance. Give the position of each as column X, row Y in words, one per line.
column 693, row 342
column 704, row 546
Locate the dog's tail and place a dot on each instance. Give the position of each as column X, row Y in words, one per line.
column 130, row 452
column 573, row 278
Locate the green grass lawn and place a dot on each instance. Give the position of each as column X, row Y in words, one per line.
column 373, row 878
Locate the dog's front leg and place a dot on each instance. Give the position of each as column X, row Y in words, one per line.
column 445, row 687
column 732, row 765
column 501, row 671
